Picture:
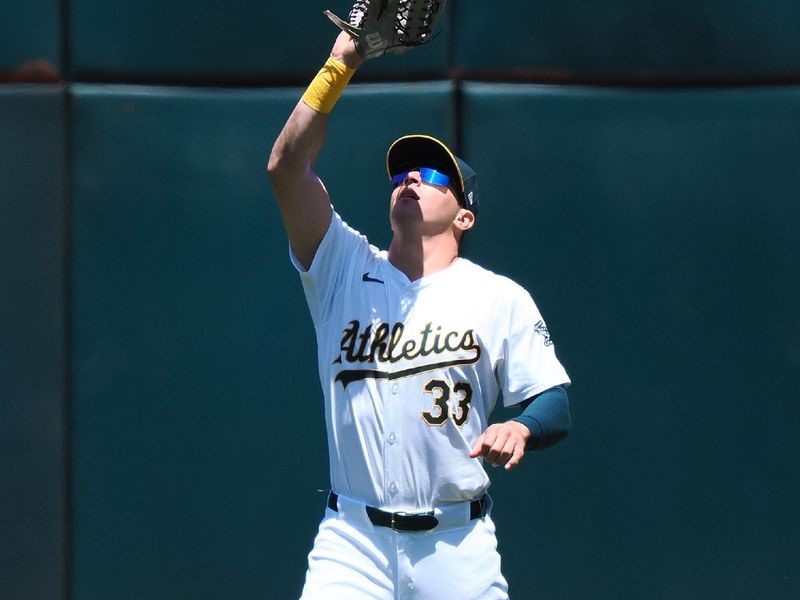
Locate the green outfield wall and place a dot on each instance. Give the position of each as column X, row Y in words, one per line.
column 161, row 423
column 33, row 423
column 30, row 40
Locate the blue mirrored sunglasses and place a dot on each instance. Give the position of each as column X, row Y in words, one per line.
column 427, row 175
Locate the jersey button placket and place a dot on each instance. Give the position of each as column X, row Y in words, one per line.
column 400, row 304
column 392, row 449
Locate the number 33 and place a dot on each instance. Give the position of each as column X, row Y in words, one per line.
column 441, row 391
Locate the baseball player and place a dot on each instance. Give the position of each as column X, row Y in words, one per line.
column 415, row 344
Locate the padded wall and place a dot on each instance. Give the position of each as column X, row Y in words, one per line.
column 618, row 39
column 199, row 438
column 180, row 40
column 658, row 231
column 30, row 38
column 32, row 369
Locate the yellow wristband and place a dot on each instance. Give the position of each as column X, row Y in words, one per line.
column 328, row 85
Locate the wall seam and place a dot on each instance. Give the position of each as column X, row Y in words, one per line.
column 67, row 250
column 67, row 247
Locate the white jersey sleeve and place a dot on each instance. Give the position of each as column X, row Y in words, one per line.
column 527, row 364
column 339, row 252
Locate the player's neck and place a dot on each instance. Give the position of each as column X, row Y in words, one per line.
column 419, row 256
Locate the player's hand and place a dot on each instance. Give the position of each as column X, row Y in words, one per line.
column 502, row 444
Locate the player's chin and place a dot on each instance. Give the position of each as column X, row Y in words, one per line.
column 406, row 210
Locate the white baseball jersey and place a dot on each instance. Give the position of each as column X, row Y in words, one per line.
column 411, row 370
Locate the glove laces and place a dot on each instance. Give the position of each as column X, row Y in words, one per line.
column 414, row 20
column 358, row 13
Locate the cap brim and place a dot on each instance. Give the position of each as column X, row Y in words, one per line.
column 420, row 150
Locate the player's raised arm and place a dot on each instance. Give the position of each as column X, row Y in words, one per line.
column 301, row 195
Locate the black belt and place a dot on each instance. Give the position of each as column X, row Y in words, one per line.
column 403, row 521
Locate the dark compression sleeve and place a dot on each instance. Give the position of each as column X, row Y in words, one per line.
column 547, row 416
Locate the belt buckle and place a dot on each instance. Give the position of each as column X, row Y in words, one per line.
column 397, row 514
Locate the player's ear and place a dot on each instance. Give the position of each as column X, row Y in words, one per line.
column 464, row 220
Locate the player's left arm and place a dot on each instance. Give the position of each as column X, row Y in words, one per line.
column 545, row 421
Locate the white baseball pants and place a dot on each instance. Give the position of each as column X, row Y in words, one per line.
column 354, row 560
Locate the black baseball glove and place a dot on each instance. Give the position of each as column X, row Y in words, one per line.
column 395, row 26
